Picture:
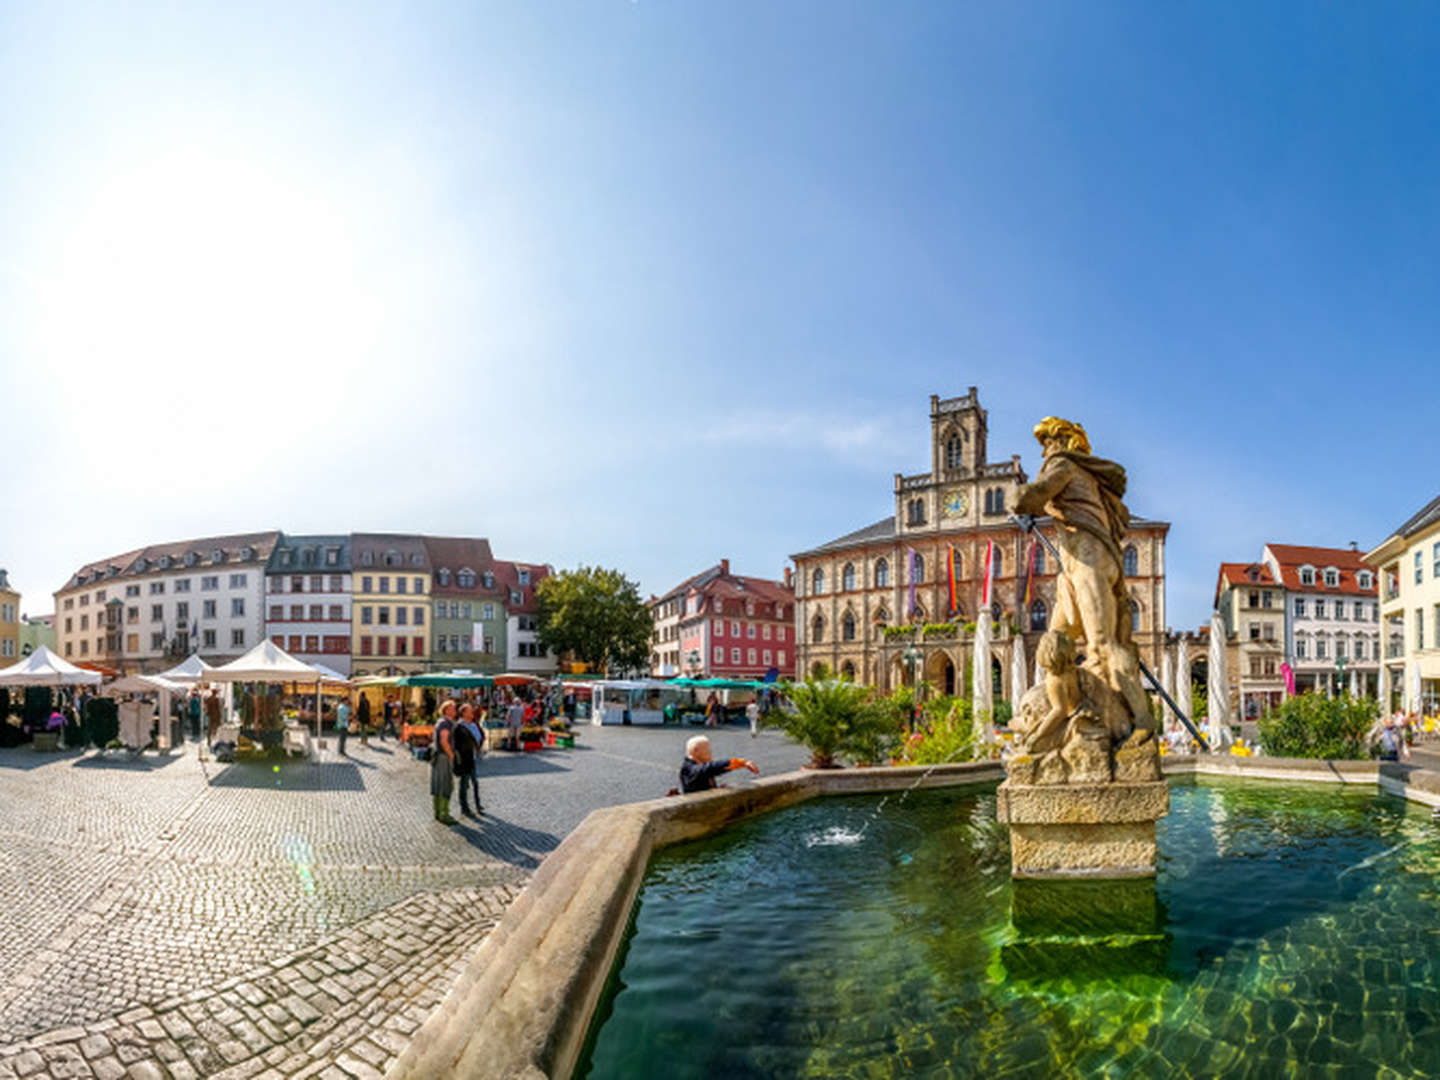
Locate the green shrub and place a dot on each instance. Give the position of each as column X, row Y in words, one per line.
column 938, row 630
column 837, row 719
column 950, row 735
column 898, row 633
column 1311, row 726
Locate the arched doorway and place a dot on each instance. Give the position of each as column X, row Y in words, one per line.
column 847, row 671
column 940, row 672
column 997, row 677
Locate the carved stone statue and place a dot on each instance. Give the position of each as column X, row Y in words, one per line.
column 1089, row 720
column 1085, row 497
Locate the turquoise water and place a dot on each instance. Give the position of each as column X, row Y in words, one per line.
column 1291, row 931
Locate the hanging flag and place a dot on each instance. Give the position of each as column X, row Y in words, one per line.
column 989, row 567
column 913, row 558
column 1030, row 573
column 950, row 567
column 1289, row 673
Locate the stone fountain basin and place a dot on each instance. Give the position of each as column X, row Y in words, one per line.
column 524, row 1003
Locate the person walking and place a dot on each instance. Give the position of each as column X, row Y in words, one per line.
column 212, row 715
column 442, row 764
column 342, row 724
column 468, row 741
column 515, row 720
column 192, row 711
column 752, row 713
column 362, row 716
column 712, row 710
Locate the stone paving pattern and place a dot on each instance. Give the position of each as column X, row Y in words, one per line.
column 145, row 902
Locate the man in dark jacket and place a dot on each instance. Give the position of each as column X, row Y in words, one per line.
column 699, row 771
column 468, row 740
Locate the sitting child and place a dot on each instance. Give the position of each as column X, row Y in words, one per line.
column 699, row 771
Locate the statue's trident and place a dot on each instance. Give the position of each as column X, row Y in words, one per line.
column 1026, row 524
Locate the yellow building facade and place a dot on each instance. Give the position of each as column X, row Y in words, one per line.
column 1408, row 562
column 9, row 622
column 390, row 608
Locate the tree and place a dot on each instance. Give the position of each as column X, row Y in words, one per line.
column 597, row 616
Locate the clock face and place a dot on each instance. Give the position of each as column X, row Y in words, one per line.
column 955, row 504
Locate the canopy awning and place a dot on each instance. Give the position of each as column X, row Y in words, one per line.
column 43, row 668
column 267, row 662
column 724, row 684
column 144, row 684
column 515, row 678
column 462, row 679
column 189, row 671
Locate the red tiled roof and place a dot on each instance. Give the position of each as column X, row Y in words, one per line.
column 507, row 575
column 1239, row 574
column 1292, row 557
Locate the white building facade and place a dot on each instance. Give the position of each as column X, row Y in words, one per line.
column 146, row 610
column 308, row 592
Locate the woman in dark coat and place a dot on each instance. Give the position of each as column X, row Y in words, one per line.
column 442, row 763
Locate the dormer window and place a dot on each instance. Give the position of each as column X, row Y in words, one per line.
column 443, row 576
column 190, row 558
column 140, row 565
column 217, row 556
column 392, row 558
column 1332, row 577
column 247, row 553
column 524, row 577
column 286, row 557
column 367, row 558
column 514, row 597
column 1364, row 579
column 1307, row 575
column 415, row 559
column 163, row 561
column 489, row 580
column 466, row 578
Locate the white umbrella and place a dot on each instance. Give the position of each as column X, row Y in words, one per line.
column 1182, row 679
column 43, row 668
column 983, row 701
column 1218, row 689
column 1415, row 687
column 1354, row 684
column 1019, row 673
column 1167, row 674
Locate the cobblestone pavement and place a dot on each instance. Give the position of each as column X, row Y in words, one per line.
column 143, row 896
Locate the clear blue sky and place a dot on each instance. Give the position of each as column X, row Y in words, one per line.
column 648, row 284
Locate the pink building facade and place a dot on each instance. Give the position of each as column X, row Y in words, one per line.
column 719, row 624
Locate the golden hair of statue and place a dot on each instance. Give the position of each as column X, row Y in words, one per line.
column 1071, row 434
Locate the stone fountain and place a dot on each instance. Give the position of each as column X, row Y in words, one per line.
column 1084, row 789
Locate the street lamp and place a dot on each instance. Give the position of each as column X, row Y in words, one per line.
column 911, row 656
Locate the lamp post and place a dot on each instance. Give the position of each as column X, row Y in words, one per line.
column 911, row 656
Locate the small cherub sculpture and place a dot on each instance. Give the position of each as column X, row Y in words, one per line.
column 1056, row 657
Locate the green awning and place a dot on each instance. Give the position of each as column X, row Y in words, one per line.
column 442, row 678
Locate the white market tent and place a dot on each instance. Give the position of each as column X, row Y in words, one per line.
column 43, row 668
column 268, row 663
column 189, row 671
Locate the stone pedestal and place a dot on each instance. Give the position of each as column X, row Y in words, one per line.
column 1083, row 830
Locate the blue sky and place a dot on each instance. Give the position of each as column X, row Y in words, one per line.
column 648, row 284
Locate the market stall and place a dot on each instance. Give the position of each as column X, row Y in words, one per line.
column 632, row 701
column 43, row 668
column 267, row 663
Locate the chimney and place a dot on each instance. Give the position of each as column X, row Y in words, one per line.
column 725, row 567
column 1354, row 545
column 789, row 578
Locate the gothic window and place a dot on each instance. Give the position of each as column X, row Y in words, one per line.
column 954, row 452
column 1132, row 561
column 1039, row 615
column 919, row 572
column 882, row 574
column 817, row 582
column 817, row 630
column 1039, row 559
column 1134, row 617
column 847, row 627
column 847, row 671
column 999, row 563
column 989, row 500
column 847, row 577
